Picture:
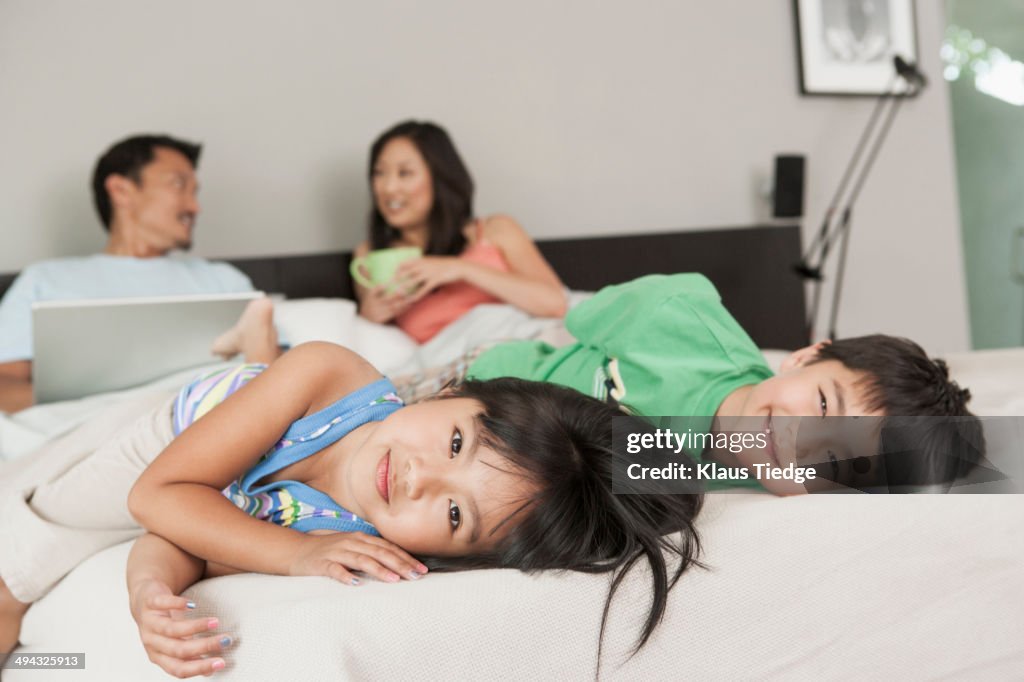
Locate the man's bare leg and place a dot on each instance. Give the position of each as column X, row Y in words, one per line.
column 254, row 336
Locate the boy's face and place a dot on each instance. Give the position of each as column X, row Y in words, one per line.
column 809, row 389
column 793, row 409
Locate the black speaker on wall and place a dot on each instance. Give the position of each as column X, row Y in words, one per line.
column 788, row 194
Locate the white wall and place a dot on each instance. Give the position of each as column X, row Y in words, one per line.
column 576, row 117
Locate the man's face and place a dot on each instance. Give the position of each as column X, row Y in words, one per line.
column 160, row 210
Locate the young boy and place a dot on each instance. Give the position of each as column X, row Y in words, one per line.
column 665, row 345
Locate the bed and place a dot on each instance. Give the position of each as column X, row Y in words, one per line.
column 922, row 586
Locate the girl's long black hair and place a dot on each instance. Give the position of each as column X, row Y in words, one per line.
column 453, row 189
column 561, row 440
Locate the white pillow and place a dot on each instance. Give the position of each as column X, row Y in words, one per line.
column 337, row 320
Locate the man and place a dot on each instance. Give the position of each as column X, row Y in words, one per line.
column 144, row 188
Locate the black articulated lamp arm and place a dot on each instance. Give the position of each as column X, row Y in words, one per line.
column 811, row 266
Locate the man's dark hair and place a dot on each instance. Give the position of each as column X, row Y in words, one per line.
column 452, row 183
column 561, row 441
column 928, row 434
column 128, row 157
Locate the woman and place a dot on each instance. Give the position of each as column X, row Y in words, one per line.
column 423, row 197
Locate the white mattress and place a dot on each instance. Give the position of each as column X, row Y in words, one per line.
column 881, row 587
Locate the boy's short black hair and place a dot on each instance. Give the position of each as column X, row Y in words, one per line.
column 128, row 157
column 926, row 417
column 561, row 440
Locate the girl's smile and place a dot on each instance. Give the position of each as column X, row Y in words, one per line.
column 383, row 477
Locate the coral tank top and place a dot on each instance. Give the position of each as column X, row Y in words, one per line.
column 444, row 305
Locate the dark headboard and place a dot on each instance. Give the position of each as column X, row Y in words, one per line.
column 751, row 266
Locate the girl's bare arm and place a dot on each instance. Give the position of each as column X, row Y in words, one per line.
column 179, row 495
column 158, row 572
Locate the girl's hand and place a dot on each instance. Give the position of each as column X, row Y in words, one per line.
column 383, row 303
column 420, row 276
column 170, row 641
column 335, row 555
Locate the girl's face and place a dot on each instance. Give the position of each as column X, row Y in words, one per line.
column 403, row 188
column 428, row 484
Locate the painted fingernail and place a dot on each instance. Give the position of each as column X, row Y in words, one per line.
column 218, row 665
column 422, row 568
column 190, row 605
column 355, row 581
column 414, row 575
column 212, row 624
column 225, row 641
column 394, row 577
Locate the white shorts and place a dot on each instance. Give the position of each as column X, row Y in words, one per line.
column 69, row 499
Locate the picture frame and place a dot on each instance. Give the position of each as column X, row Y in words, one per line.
column 846, row 47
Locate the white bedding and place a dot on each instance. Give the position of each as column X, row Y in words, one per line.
column 851, row 587
column 877, row 587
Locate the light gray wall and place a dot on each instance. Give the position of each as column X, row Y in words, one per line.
column 577, row 117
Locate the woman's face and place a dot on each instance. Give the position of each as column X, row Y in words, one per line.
column 403, row 188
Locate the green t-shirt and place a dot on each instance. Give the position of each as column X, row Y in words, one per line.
column 677, row 349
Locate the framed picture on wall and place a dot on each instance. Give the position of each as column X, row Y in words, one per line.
column 846, row 47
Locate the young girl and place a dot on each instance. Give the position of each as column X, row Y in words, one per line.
column 423, row 197
column 505, row 473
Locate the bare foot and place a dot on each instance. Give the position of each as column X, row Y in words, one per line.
column 11, row 613
column 254, row 335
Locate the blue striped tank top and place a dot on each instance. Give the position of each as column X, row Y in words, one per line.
column 290, row 503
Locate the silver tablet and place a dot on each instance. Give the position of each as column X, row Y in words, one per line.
column 93, row 346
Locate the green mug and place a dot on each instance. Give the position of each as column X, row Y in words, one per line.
column 378, row 267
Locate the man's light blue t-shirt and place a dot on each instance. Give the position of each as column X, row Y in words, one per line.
column 105, row 276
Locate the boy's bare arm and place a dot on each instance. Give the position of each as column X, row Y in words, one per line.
column 15, row 385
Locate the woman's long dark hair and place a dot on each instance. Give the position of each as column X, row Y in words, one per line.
column 561, row 440
column 453, row 189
